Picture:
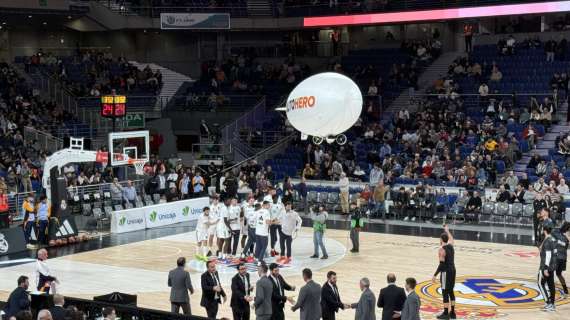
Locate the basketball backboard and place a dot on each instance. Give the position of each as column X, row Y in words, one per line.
column 128, row 146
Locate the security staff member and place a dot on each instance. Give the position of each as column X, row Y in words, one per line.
column 44, row 213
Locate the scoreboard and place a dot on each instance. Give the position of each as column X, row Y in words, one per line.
column 113, row 106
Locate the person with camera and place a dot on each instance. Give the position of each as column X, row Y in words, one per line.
column 319, row 225
column 356, row 223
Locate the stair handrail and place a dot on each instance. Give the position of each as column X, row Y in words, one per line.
column 258, row 155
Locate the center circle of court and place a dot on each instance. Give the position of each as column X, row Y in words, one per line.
column 490, row 292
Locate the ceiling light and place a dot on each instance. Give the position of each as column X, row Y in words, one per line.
column 44, row 23
column 30, row 17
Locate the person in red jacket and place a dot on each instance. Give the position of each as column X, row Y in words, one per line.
column 4, row 214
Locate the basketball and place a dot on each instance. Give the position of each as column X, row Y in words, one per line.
column 71, row 240
column 52, row 243
column 58, row 242
column 64, row 242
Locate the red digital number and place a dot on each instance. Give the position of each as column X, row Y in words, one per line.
column 120, row 110
column 107, row 110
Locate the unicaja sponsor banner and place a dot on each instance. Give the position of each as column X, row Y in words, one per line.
column 210, row 21
column 174, row 212
column 158, row 215
column 128, row 220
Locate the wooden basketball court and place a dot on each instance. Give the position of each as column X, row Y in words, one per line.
column 495, row 281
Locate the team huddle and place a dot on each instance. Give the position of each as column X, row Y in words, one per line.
column 261, row 224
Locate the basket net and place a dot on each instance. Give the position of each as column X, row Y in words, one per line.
column 139, row 166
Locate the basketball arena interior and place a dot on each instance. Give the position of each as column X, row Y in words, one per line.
column 284, row 159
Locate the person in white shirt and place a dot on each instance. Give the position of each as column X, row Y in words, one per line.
column 250, row 212
column 263, row 221
column 343, row 185
column 234, row 218
column 290, row 224
column 562, row 187
column 223, row 231
column 275, row 229
column 45, row 280
column 202, row 228
column 213, row 219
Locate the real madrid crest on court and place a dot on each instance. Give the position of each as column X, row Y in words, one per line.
column 490, row 292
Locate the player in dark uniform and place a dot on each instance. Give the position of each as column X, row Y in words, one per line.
column 548, row 262
column 543, row 220
column 446, row 270
column 539, row 204
column 562, row 240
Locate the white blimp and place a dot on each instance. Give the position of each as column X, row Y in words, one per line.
column 324, row 106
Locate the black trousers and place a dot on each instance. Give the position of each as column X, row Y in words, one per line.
column 175, row 307
column 241, row 314
column 328, row 315
column 212, row 310
column 546, row 286
column 235, row 241
column 285, row 244
column 4, row 220
column 278, row 314
column 274, row 229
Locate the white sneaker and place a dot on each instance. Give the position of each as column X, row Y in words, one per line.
column 413, row 218
column 406, row 219
column 551, row 308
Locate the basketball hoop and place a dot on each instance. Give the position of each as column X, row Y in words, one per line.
column 139, row 166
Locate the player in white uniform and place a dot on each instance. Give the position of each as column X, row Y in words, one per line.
column 263, row 221
column 243, row 222
column 234, row 216
column 275, row 211
column 223, row 231
column 213, row 219
column 202, row 228
column 249, row 212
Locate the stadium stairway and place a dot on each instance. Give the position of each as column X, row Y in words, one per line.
column 434, row 71
column 171, row 82
column 259, row 8
column 546, row 146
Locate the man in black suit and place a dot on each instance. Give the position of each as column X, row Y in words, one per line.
column 391, row 299
column 330, row 298
column 19, row 299
column 241, row 294
column 212, row 292
column 278, row 297
column 58, row 311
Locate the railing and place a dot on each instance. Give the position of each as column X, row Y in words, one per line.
column 205, row 153
column 251, row 119
column 518, row 100
column 126, row 8
column 281, row 49
column 45, row 141
column 232, row 102
column 15, row 201
column 262, row 155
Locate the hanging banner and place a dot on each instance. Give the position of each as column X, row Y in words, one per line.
column 211, row 21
